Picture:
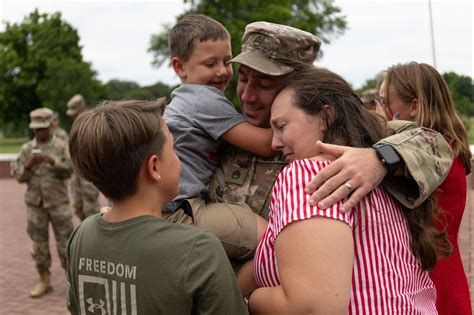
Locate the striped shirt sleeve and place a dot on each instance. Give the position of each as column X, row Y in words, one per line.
column 290, row 202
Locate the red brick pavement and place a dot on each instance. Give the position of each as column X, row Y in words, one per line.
column 18, row 273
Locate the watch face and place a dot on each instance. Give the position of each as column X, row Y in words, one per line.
column 388, row 154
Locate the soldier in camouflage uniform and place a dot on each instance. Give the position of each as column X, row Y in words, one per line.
column 84, row 194
column 270, row 54
column 369, row 99
column 57, row 130
column 44, row 165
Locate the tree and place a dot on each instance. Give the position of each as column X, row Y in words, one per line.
column 117, row 90
column 319, row 17
column 462, row 91
column 41, row 65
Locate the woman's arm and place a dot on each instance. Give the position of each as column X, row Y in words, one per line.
column 315, row 258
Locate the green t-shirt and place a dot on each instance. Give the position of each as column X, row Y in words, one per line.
column 148, row 266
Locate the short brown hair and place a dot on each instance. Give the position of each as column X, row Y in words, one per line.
column 110, row 143
column 190, row 28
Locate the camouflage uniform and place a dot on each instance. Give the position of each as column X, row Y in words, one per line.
column 276, row 49
column 46, row 198
column 243, row 176
column 85, row 197
column 61, row 134
column 84, row 194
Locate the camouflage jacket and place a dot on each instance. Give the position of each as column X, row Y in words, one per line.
column 428, row 159
column 61, row 134
column 47, row 184
column 243, row 177
column 84, row 192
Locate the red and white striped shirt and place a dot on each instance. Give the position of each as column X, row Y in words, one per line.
column 386, row 277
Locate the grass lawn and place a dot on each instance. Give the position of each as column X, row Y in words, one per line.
column 11, row 145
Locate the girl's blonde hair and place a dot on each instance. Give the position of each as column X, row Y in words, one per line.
column 436, row 107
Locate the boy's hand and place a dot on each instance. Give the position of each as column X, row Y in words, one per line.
column 353, row 174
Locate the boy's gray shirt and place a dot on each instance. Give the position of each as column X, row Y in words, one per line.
column 197, row 116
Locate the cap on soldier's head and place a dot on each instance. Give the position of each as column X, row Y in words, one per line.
column 273, row 48
column 40, row 118
column 369, row 99
column 75, row 104
column 369, row 96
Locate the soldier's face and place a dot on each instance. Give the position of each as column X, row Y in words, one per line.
column 294, row 131
column 43, row 134
column 256, row 92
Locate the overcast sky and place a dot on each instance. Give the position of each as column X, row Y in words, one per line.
column 115, row 35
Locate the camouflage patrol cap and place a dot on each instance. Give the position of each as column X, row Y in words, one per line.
column 75, row 104
column 369, row 98
column 272, row 48
column 40, row 118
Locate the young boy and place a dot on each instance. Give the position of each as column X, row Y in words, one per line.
column 44, row 165
column 200, row 119
column 129, row 259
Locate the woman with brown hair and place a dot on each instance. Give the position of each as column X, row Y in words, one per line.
column 373, row 259
column 416, row 91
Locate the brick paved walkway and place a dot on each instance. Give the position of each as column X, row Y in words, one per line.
column 18, row 273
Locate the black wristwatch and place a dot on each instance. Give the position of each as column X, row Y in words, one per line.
column 388, row 156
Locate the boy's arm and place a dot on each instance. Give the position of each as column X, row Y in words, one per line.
column 250, row 138
column 210, row 280
column 426, row 158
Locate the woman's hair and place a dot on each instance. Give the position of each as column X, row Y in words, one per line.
column 352, row 125
column 436, row 107
column 110, row 143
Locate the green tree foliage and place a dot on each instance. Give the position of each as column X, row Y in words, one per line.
column 117, row 90
column 319, row 17
column 462, row 91
column 369, row 84
column 41, row 65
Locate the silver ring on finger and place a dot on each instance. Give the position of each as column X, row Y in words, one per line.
column 349, row 186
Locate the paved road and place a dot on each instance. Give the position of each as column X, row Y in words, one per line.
column 19, row 275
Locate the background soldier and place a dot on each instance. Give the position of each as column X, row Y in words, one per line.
column 84, row 193
column 58, row 131
column 369, row 99
column 44, row 165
